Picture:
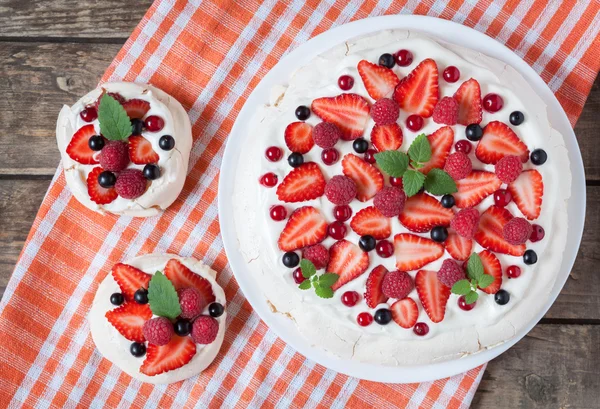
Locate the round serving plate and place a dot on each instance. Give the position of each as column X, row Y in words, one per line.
column 450, row 32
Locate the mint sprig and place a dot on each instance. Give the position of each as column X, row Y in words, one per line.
column 321, row 283
column 477, row 279
column 114, row 121
column 162, row 297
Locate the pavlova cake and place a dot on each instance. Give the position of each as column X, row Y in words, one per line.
column 403, row 200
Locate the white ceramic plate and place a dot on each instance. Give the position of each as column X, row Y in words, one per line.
column 450, row 32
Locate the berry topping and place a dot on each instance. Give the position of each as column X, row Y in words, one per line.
column 387, row 60
column 502, row 297
column 151, row 171
column 380, row 81
column 468, row 96
column 405, row 312
column 79, row 149
column 325, row 135
column 370, row 221
column 537, row 234
column 191, row 301
column 129, row 279
column 177, row 353
column 107, row 179
column 348, row 261
column 385, row 249
column 364, row 319
column 458, row 165
column 89, row 114
column 383, row 316
column 458, row 247
column 513, row 272
column 390, row 201
column 490, row 236
column 418, row 92
column 330, row 156
column 306, row 182
column 183, row 277
column 463, row 146
column 360, row 145
column 385, row 111
column 114, row 156
column 350, row 298
column 295, row 159
column 414, row 123
column 367, row 177
column 396, row 182
column 473, row 132
column 141, row 296
column 268, row 179
column 386, row 137
column 498, row 141
column 131, row 184
column 340, row 190
column 216, row 309
column 137, row 349
column 120, row 99
column 350, row 112
column 539, row 157
column 117, row 299
column 530, row 257
column 166, row 142
column 273, row 153
column 370, row 156
column 527, row 192
column 433, row 294
column 136, row 108
column 337, row 230
column 96, row 142
column 302, row 112
column 447, row 201
column 423, row 212
column 137, row 126
column 441, row 142
column 158, row 331
column 493, row 103
column 317, row 254
column 129, row 319
column 305, row 227
column 278, row 213
column 516, row 118
column 466, row 222
column 462, row 304
column 140, row 151
column 342, row 213
column 446, row 111
column 183, row 327
column 367, row 243
column 421, row 329
column 345, row 82
column 509, row 168
column 298, row 276
column 475, row 187
column 517, row 231
column 299, row 137
column 397, row 284
column 451, row 74
column 373, row 292
column 99, row 194
column 502, row 197
column 154, row 123
column 439, row 234
column 413, row 252
column 404, row 58
column 450, row 273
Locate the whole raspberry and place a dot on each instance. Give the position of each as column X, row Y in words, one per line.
column 318, row 255
column 114, row 156
column 130, row 184
column 450, row 273
column 205, row 329
column 458, row 165
column 385, row 111
column 158, row 331
column 509, row 168
column 446, row 111
column 120, row 99
column 191, row 302
column 340, row 190
column 466, row 222
column 390, row 201
column 517, row 231
column 326, row 134
column 397, row 284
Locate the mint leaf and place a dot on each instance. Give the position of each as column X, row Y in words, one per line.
column 304, row 285
column 328, row 279
column 439, row 183
column 461, row 287
column 394, row 163
column 471, row 297
column 420, row 149
column 324, row 292
column 308, row 268
column 114, row 122
column 162, row 297
column 485, row 280
column 416, row 165
column 474, row 267
column 412, row 181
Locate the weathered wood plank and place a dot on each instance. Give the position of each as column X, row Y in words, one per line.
column 71, row 18
column 587, row 133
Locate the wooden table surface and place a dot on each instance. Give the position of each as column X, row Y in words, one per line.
column 51, row 53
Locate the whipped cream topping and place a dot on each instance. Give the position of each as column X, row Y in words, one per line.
column 115, row 347
column 327, row 323
column 173, row 164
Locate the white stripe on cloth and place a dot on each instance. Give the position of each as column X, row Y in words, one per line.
column 275, row 372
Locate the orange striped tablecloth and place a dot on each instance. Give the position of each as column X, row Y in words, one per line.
column 210, row 55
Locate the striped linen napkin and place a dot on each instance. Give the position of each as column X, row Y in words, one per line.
column 210, row 54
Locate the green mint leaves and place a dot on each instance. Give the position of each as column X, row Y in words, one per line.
column 321, row 283
column 477, row 278
column 396, row 164
column 114, row 122
column 162, row 297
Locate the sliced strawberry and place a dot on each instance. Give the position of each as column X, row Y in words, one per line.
column 468, row 96
column 305, row 227
column 413, row 252
column 405, row 312
column 499, row 140
column 350, row 112
column 348, row 261
column 475, row 187
column 491, row 266
column 433, row 294
column 298, row 137
column 306, row 182
column 140, row 151
column 183, row 277
column 136, row 108
column 373, row 294
column 159, row 359
column 130, row 279
column 423, row 212
column 372, row 222
column 441, row 142
column 99, row 194
column 527, row 192
column 386, row 137
column 78, row 149
column 379, row 81
column 458, row 247
column 367, row 177
column 418, row 92
column 129, row 319
column 489, row 235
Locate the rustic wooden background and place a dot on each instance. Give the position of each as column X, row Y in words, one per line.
column 52, row 52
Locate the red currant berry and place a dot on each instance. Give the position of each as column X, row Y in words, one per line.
column 404, row 58
column 396, row 182
column 493, row 103
column 345, row 82
column 89, row 114
column 154, row 123
column 370, row 156
column 421, row 329
column 350, row 298
column 414, row 122
column 451, row 74
column 298, row 277
column 513, row 271
column 463, row 146
column 502, row 197
column 385, row 249
column 537, row 234
column 342, row 213
column 278, row 213
column 462, row 303
column 268, row 179
column 330, row 156
column 337, row 230
column 364, row 319
column 274, row 153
